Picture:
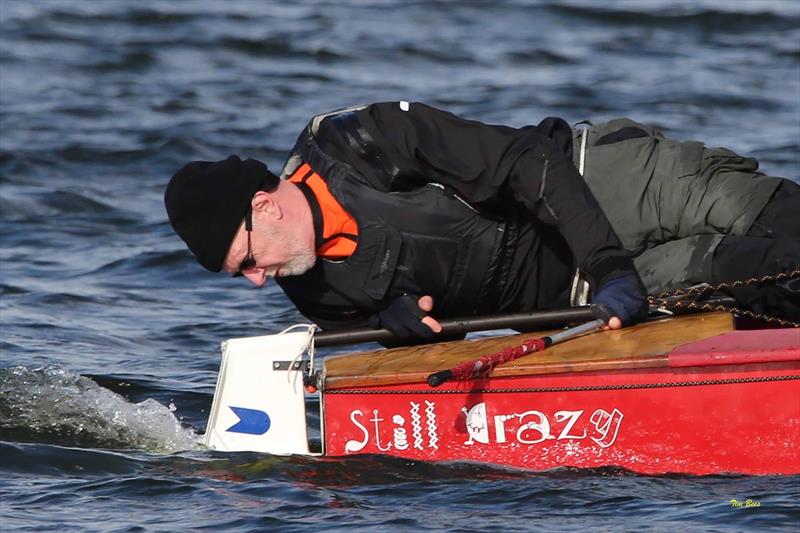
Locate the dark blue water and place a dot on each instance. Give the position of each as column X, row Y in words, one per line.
column 110, row 331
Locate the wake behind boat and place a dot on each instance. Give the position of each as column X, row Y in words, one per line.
column 688, row 394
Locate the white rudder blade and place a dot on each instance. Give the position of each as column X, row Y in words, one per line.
column 259, row 403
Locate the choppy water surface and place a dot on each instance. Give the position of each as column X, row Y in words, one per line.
column 110, row 331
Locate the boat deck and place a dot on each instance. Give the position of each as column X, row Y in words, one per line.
column 642, row 346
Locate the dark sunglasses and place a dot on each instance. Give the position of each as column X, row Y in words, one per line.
column 249, row 261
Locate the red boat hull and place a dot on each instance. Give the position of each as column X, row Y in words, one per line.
column 742, row 418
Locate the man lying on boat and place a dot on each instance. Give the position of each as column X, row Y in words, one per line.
column 387, row 212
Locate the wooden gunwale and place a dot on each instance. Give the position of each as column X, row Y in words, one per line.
column 643, row 346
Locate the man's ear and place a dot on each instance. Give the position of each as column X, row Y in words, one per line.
column 265, row 202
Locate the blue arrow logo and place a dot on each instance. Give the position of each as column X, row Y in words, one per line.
column 251, row 421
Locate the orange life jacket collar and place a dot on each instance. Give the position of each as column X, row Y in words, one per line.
column 336, row 230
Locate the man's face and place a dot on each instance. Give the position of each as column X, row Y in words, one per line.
column 277, row 248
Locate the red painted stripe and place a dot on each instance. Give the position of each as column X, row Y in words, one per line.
column 739, row 347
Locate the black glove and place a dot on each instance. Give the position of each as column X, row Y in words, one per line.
column 624, row 297
column 403, row 318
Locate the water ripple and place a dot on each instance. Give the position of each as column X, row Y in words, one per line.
column 686, row 17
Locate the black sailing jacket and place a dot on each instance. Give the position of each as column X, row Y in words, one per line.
column 483, row 218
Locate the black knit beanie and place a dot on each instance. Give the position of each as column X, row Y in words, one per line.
column 206, row 203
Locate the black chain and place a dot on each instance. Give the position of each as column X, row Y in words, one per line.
column 666, row 299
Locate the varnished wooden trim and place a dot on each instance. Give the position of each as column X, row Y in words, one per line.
column 641, row 346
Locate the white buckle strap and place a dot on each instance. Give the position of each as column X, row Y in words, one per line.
column 584, row 127
column 579, row 293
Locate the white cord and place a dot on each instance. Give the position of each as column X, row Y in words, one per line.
column 309, row 347
column 310, row 327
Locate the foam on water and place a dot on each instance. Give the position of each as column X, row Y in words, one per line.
column 55, row 405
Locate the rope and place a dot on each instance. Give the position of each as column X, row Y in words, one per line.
column 668, row 299
column 484, row 365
